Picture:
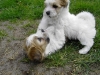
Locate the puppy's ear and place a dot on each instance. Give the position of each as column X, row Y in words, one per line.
column 35, row 54
column 38, row 56
column 64, row 3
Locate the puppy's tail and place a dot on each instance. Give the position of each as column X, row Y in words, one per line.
column 88, row 17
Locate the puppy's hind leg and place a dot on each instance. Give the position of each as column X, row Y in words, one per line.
column 87, row 45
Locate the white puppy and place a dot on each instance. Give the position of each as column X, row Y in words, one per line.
column 80, row 26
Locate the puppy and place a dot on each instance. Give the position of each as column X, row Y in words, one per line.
column 43, row 43
column 80, row 26
column 35, row 47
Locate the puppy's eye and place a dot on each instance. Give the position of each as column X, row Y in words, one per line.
column 39, row 39
column 55, row 6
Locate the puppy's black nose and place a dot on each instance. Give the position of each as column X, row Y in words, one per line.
column 48, row 12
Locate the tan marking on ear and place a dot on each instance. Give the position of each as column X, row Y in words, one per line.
column 34, row 54
column 63, row 3
column 57, row 4
column 31, row 53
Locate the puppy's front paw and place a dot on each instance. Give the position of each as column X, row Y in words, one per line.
column 47, row 53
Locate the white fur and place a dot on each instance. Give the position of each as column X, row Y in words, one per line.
column 80, row 26
column 58, row 25
column 30, row 39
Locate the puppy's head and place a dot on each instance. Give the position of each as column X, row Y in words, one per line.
column 54, row 7
column 35, row 47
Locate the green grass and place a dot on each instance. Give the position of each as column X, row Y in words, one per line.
column 32, row 9
column 20, row 9
column 2, row 34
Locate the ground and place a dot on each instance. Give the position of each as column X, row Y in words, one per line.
column 12, row 54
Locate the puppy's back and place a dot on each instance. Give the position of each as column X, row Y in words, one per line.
column 88, row 17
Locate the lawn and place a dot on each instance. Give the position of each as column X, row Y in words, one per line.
column 20, row 9
column 32, row 10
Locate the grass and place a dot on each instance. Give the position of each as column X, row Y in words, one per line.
column 32, row 9
column 2, row 34
column 20, row 9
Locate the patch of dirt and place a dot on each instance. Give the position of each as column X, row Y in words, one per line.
column 11, row 53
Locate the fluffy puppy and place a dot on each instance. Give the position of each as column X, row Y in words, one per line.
column 43, row 43
column 35, row 47
column 80, row 26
